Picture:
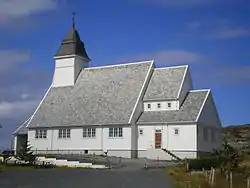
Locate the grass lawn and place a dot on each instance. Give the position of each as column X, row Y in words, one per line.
column 184, row 179
column 4, row 167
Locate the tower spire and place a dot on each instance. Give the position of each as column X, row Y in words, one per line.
column 73, row 19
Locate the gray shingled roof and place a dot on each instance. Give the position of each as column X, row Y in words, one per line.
column 100, row 96
column 165, row 83
column 188, row 111
column 22, row 129
column 72, row 45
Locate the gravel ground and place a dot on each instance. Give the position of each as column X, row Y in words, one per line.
column 69, row 178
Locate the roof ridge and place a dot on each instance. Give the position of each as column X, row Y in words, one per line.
column 117, row 65
column 199, row 90
column 173, row 67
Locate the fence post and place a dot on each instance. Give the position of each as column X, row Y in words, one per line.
column 227, row 175
column 210, row 176
column 248, row 182
column 231, row 179
column 212, row 181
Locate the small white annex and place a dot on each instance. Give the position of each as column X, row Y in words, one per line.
column 128, row 110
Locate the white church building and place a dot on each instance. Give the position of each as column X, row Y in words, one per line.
column 128, row 110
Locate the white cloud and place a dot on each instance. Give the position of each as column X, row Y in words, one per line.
column 12, row 58
column 17, row 109
column 170, row 57
column 19, row 91
column 224, row 75
column 24, row 96
column 13, row 9
column 225, row 33
column 234, row 74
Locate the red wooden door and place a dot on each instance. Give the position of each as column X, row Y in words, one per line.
column 157, row 140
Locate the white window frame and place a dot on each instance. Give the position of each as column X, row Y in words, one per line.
column 176, row 131
column 89, row 133
column 116, row 132
column 64, row 133
column 158, row 105
column 41, row 134
column 169, row 104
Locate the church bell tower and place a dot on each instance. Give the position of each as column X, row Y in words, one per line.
column 70, row 59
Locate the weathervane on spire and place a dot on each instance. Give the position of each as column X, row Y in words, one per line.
column 73, row 19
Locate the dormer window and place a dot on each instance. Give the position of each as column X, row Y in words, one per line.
column 169, row 105
column 159, row 105
column 149, row 106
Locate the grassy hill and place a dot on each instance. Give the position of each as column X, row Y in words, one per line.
column 238, row 136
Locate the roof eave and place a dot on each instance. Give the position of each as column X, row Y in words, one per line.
column 87, row 59
column 165, row 123
column 203, row 104
column 76, row 126
column 160, row 99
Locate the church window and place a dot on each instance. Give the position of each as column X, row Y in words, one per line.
column 141, row 131
column 41, row 133
column 93, row 132
column 120, row 132
column 89, row 132
column 64, row 133
column 149, row 106
column 159, row 105
column 110, row 132
column 176, row 131
column 169, row 105
column 115, row 132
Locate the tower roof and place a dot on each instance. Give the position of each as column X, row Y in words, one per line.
column 72, row 45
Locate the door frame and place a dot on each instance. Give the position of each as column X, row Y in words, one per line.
column 157, row 132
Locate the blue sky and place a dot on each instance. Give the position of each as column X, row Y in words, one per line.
column 213, row 37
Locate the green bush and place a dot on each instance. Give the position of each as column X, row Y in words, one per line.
column 205, row 163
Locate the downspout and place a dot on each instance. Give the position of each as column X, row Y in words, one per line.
column 167, row 137
column 52, row 137
column 101, row 137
